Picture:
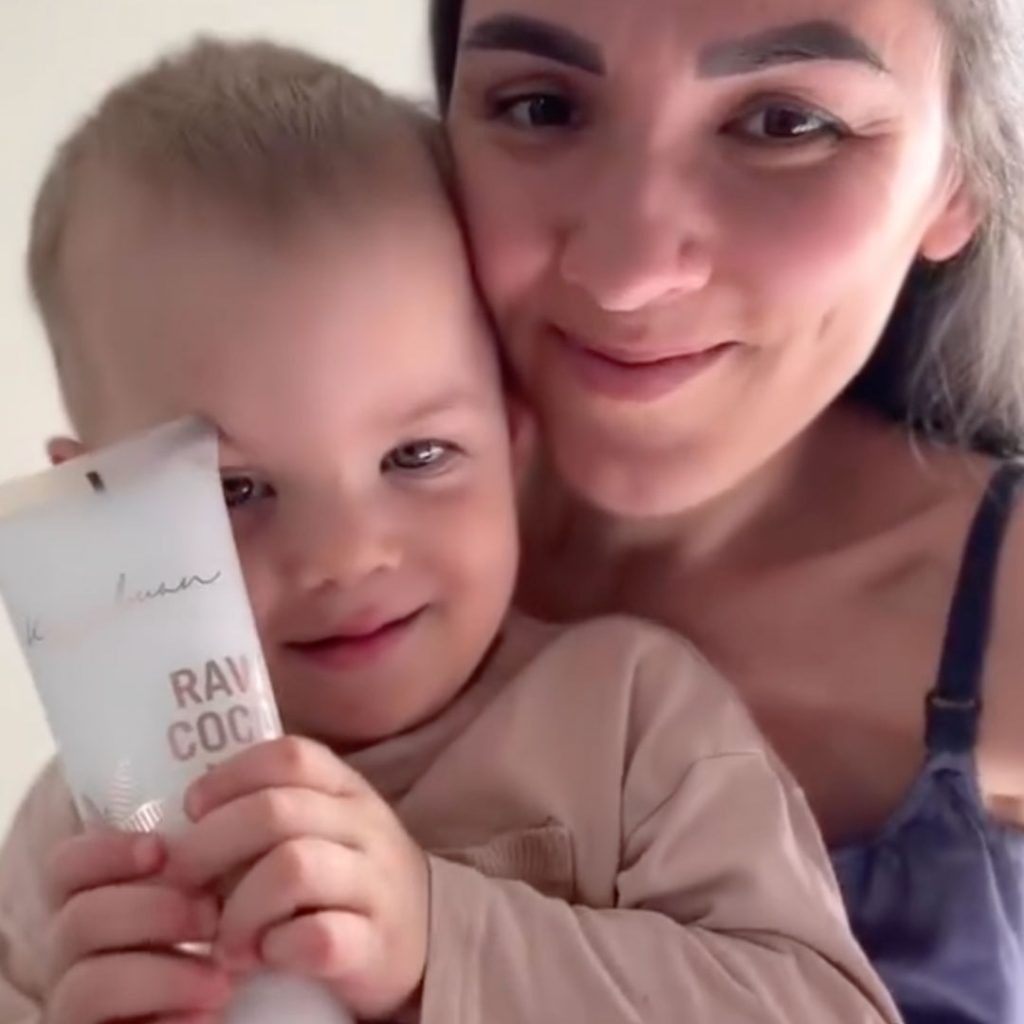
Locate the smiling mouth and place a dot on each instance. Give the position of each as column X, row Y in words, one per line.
column 357, row 644
column 635, row 376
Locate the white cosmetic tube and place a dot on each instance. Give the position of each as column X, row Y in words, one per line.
column 120, row 575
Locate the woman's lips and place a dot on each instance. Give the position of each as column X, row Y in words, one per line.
column 631, row 377
column 356, row 646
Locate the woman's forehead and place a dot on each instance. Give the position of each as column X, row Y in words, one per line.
column 714, row 36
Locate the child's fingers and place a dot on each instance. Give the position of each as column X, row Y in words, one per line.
column 98, row 858
column 126, row 986
column 127, row 917
column 297, row 877
column 239, row 833
column 331, row 944
column 290, row 761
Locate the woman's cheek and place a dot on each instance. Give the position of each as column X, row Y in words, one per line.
column 511, row 207
column 512, row 253
column 829, row 229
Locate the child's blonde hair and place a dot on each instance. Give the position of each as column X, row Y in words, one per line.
column 263, row 128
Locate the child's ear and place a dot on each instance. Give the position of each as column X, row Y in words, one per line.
column 61, row 449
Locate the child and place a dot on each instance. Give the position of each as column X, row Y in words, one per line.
column 487, row 819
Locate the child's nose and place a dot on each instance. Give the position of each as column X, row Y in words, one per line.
column 343, row 548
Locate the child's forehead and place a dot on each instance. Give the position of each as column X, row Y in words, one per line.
column 170, row 274
column 121, row 214
column 361, row 322
column 277, row 404
column 309, row 413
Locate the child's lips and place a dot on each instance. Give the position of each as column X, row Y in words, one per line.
column 356, row 643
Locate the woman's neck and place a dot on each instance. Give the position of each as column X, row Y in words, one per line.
column 815, row 496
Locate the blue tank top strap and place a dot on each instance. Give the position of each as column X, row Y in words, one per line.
column 954, row 705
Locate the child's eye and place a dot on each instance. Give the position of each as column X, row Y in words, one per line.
column 536, row 110
column 241, row 490
column 787, row 124
column 422, row 456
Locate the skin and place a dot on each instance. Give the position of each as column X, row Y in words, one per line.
column 689, row 200
column 366, row 459
column 111, row 905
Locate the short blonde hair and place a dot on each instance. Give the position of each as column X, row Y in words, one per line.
column 263, row 128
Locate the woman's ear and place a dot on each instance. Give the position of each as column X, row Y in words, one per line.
column 955, row 224
column 61, row 449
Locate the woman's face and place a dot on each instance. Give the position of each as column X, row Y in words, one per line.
column 692, row 217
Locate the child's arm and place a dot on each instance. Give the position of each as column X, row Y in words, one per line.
column 727, row 910
column 112, row 949
column 45, row 817
column 70, row 902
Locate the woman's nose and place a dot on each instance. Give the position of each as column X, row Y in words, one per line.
column 638, row 236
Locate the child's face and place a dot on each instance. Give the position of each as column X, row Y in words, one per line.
column 365, row 448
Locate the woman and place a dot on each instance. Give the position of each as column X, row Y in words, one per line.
column 693, row 220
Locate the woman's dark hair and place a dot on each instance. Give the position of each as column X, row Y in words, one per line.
column 445, row 22
column 951, row 361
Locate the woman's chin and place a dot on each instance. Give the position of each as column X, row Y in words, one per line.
column 633, row 481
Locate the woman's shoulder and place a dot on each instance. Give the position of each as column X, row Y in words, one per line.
column 1002, row 743
column 938, row 494
column 993, row 492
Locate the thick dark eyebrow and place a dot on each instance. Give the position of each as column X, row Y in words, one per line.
column 536, row 37
column 788, row 44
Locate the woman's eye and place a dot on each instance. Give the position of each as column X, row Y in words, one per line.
column 537, row 110
column 781, row 125
column 420, row 456
column 243, row 490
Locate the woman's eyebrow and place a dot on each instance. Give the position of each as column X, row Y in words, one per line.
column 539, row 38
column 787, row 44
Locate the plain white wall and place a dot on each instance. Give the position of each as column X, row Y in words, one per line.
column 56, row 58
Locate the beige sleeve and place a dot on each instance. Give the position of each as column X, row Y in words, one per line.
column 46, row 816
column 726, row 910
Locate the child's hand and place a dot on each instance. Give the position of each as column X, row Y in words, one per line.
column 113, row 916
column 323, row 880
